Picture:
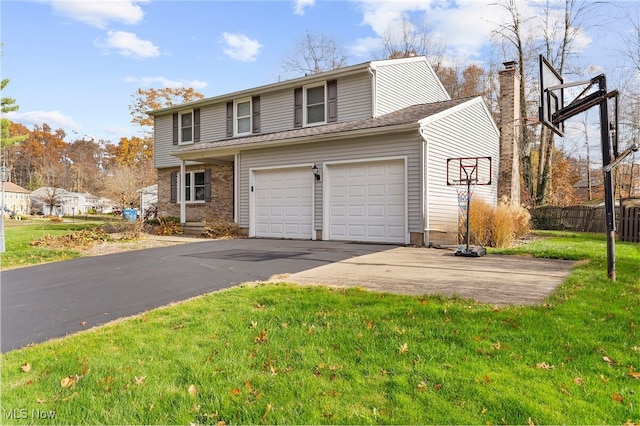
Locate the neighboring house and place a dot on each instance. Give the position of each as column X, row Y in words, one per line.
column 378, row 134
column 66, row 203
column 149, row 201
column 16, row 199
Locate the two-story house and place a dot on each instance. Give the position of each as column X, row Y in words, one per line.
column 354, row 154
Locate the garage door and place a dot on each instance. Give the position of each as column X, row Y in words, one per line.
column 367, row 202
column 283, row 203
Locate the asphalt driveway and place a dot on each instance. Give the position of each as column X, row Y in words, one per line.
column 52, row 300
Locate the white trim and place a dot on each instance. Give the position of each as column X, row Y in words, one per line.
column 181, row 193
column 305, row 120
column 235, row 116
column 236, row 184
column 326, row 184
column 252, row 194
column 180, row 114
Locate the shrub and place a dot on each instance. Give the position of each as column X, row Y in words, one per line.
column 221, row 228
column 498, row 226
column 168, row 226
column 127, row 230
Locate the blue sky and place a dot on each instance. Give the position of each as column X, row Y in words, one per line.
column 75, row 64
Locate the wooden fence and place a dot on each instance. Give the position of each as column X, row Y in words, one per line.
column 588, row 219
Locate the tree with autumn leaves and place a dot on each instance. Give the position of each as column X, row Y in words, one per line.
column 132, row 158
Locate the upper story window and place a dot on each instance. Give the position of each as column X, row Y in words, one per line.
column 242, row 119
column 186, row 127
column 314, row 101
column 315, row 104
column 243, row 116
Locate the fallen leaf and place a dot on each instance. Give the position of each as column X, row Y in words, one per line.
column 530, row 422
column 634, row 374
column 26, row 367
column 41, row 401
column 578, row 381
column 616, row 397
column 67, row 382
column 609, row 360
column 544, row 366
column 437, row 386
column 487, row 379
column 254, row 324
column 261, row 337
column 140, row 380
column 422, row 386
column 235, row 391
column 83, row 323
column 192, row 390
column 603, row 379
column 403, row 348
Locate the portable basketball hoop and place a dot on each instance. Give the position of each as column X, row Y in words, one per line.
column 465, row 174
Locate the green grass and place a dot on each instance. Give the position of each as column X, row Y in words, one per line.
column 285, row 354
column 19, row 234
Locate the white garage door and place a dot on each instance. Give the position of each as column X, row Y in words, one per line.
column 283, row 203
column 367, row 202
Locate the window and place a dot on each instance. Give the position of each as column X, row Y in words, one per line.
column 196, row 188
column 315, row 104
column 186, row 127
column 242, row 112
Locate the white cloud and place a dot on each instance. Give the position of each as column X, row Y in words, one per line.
column 300, row 5
column 165, row 82
column 128, row 44
column 119, row 131
column 55, row 119
column 99, row 13
column 240, row 47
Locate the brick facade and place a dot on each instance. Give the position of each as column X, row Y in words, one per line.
column 220, row 206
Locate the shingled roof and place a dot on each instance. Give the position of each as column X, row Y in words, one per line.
column 408, row 115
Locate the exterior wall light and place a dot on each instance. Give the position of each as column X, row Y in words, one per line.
column 314, row 169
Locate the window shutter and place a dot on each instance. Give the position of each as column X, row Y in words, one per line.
column 175, row 129
column 196, row 125
column 332, row 101
column 297, row 107
column 229, row 119
column 255, row 114
column 207, row 184
column 174, row 187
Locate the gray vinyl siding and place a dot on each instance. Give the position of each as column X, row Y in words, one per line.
column 354, row 97
column 213, row 122
column 399, row 85
column 163, row 142
column 276, row 111
column 467, row 132
column 394, row 145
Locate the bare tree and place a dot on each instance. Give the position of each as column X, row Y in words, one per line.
column 315, row 53
column 413, row 39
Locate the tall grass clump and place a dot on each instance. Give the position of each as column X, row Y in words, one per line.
column 498, row 226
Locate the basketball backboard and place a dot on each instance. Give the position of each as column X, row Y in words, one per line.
column 462, row 170
column 551, row 96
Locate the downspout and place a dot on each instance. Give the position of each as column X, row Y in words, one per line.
column 374, row 96
column 182, row 191
column 424, row 155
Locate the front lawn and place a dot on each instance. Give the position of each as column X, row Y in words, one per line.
column 286, row 354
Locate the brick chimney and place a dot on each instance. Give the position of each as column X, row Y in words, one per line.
column 510, row 122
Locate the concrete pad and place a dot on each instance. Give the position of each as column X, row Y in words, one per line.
column 495, row 279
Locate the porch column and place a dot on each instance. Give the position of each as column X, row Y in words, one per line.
column 182, row 192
